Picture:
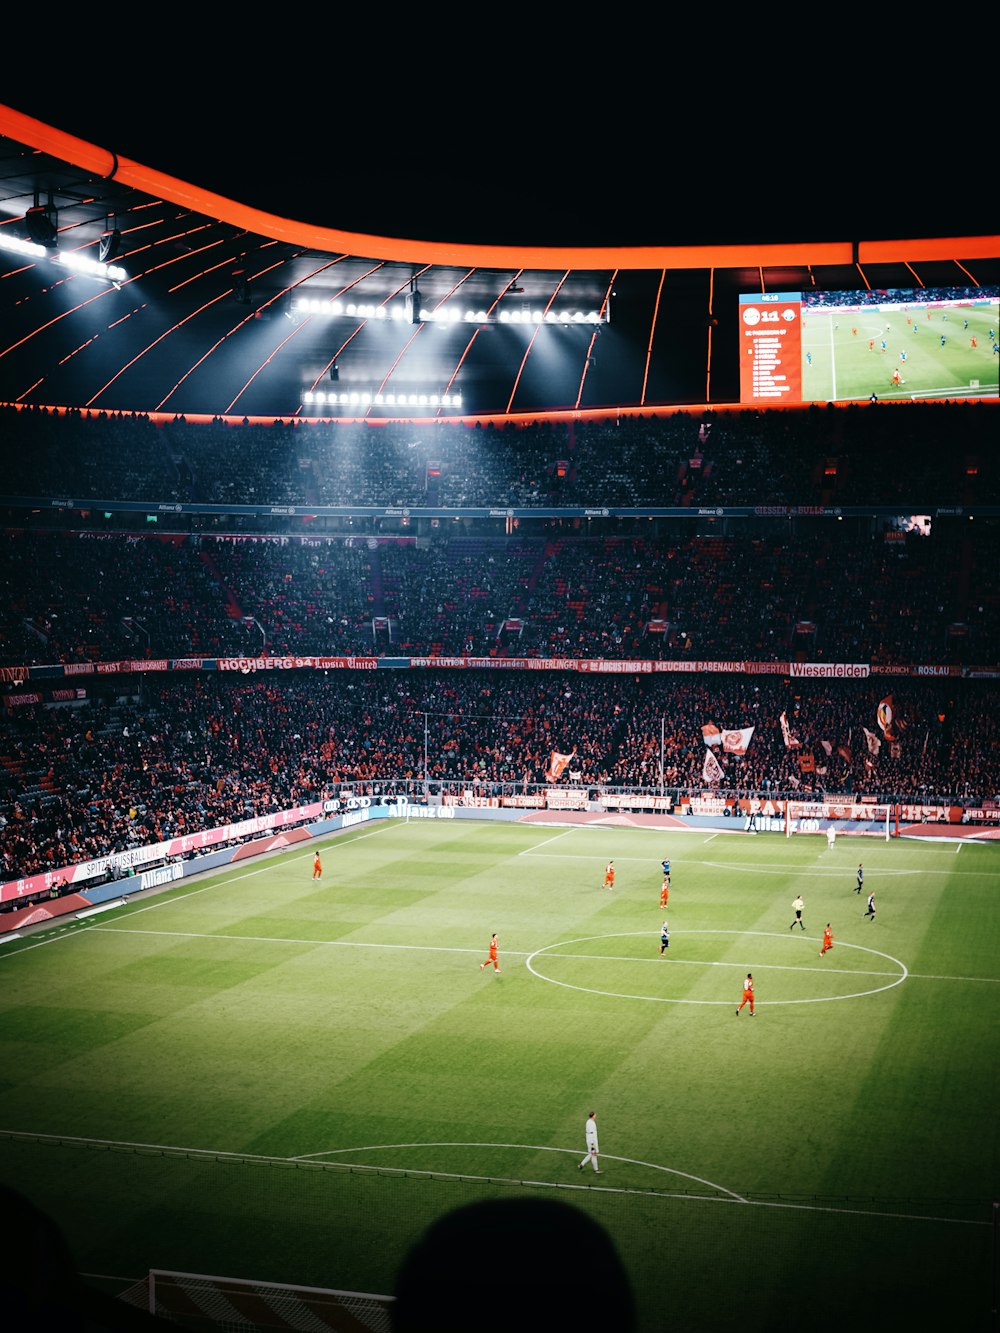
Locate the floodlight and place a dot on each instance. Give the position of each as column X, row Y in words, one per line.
column 110, row 245
column 40, row 222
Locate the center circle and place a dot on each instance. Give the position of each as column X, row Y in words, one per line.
column 742, row 934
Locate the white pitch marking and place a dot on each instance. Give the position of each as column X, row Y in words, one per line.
column 530, row 1147
column 260, row 1157
column 666, row 999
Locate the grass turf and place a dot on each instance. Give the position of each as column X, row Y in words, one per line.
column 261, row 1076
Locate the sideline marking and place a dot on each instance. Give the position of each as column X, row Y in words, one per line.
column 220, row 877
column 527, row 851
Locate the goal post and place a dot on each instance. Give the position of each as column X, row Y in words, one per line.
column 853, row 821
column 199, row 1301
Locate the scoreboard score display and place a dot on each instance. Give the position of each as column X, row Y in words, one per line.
column 823, row 347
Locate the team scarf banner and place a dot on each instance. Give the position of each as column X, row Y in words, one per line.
column 737, row 741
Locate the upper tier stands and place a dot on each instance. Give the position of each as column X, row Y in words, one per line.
column 824, row 591
column 919, row 455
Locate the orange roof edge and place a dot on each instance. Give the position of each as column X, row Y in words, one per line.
column 105, row 163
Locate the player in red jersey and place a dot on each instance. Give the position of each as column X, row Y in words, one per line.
column 493, row 955
column 827, row 940
column 747, row 994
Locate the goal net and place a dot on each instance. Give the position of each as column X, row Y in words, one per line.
column 852, row 821
column 197, row 1301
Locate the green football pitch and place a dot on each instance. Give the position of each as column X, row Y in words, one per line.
column 931, row 350
column 257, row 1075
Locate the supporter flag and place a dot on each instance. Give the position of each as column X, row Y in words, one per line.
column 827, row 748
column 557, row 765
column 807, row 764
column 887, row 719
column 791, row 743
column 845, row 752
column 737, row 741
column 711, row 734
column 874, row 744
column 711, row 770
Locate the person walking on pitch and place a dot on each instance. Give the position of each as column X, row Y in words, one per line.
column 664, row 938
column 590, row 1132
column 747, row 995
column 797, row 907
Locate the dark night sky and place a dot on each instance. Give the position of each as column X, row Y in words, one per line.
column 558, row 167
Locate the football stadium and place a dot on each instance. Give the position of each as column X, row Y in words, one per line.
column 429, row 735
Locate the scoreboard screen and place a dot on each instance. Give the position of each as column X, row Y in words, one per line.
column 821, row 347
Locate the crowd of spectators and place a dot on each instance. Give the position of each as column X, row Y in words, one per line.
column 921, row 454
column 823, row 591
column 116, row 772
column 203, row 749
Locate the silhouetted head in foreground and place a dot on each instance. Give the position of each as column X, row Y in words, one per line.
column 40, row 1287
column 508, row 1263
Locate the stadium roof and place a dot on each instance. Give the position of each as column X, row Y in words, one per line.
column 241, row 292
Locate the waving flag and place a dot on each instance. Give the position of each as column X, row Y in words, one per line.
column 874, row 744
column 791, row 743
column 737, row 741
column 887, row 720
column 557, row 765
column 711, row 734
column 711, row 770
